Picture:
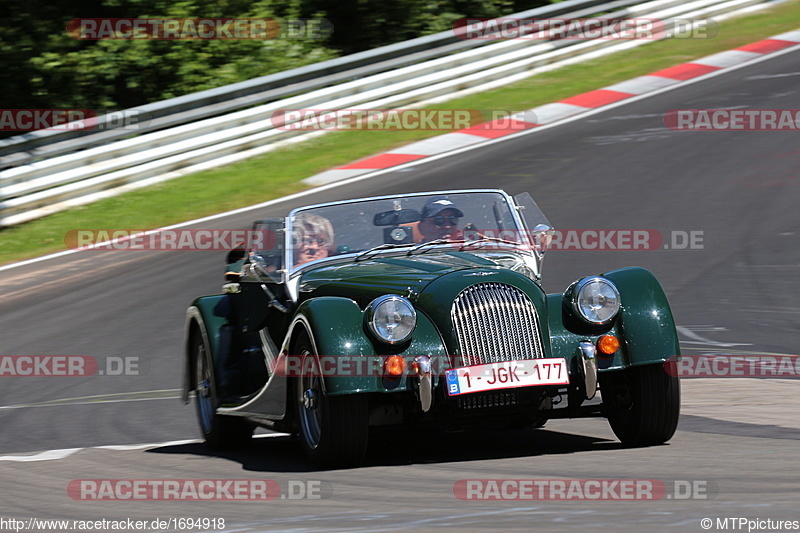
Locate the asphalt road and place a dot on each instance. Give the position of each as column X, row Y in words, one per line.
column 618, row 169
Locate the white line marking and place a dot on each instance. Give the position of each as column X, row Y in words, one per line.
column 49, row 455
column 118, row 398
column 771, row 76
column 708, row 342
column 355, row 179
column 129, row 447
column 53, row 455
column 87, row 403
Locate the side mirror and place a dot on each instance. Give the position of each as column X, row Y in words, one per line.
column 541, row 237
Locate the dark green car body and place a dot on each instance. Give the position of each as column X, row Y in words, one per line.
column 325, row 315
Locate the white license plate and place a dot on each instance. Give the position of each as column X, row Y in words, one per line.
column 507, row 375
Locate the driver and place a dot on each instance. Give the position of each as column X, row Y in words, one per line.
column 313, row 238
column 438, row 219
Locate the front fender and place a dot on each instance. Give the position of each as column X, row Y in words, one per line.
column 644, row 326
column 200, row 317
column 336, row 328
column 646, row 320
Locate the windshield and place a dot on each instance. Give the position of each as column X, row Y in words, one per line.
column 402, row 221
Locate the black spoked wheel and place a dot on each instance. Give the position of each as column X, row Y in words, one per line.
column 643, row 403
column 333, row 429
column 220, row 432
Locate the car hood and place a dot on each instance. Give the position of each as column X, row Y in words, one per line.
column 365, row 280
column 431, row 282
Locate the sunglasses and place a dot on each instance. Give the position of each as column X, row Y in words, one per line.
column 308, row 241
column 440, row 220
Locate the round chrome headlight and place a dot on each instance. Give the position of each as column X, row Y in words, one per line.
column 596, row 300
column 391, row 318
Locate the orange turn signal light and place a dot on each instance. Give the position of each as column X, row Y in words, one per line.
column 607, row 344
column 394, row 366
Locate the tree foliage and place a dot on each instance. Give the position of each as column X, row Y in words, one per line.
column 365, row 24
column 41, row 66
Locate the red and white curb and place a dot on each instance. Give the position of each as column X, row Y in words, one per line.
column 550, row 113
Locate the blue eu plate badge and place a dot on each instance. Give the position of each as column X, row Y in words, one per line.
column 452, row 382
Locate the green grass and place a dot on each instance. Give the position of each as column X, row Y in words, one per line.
column 278, row 173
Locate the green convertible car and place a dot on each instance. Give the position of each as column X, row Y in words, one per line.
column 423, row 309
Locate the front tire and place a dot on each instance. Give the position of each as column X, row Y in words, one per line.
column 333, row 429
column 220, row 432
column 643, row 403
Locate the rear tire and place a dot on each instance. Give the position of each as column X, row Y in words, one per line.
column 220, row 432
column 333, row 430
column 643, row 403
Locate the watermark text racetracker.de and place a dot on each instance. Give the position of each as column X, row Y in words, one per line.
column 598, row 239
column 626, row 239
column 201, row 490
column 735, row 366
column 177, row 239
column 400, row 119
column 597, row 28
column 69, row 366
column 70, row 119
column 733, row 119
column 227, row 239
column 584, row 489
column 172, row 29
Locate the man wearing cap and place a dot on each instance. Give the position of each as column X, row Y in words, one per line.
column 438, row 219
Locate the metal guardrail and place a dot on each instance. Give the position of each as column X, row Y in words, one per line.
column 62, row 169
column 26, row 148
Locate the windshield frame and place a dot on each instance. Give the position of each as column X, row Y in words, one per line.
column 294, row 271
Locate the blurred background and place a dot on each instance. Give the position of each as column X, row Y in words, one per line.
column 41, row 66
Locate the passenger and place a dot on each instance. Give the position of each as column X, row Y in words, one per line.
column 313, row 238
column 439, row 219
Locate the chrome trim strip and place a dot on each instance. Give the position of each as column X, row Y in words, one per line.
column 248, row 408
column 589, row 360
column 406, row 195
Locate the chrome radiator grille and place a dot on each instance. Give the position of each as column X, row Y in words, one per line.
column 496, row 322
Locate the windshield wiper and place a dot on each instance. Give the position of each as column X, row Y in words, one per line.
column 481, row 240
column 434, row 243
column 378, row 248
column 464, row 244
